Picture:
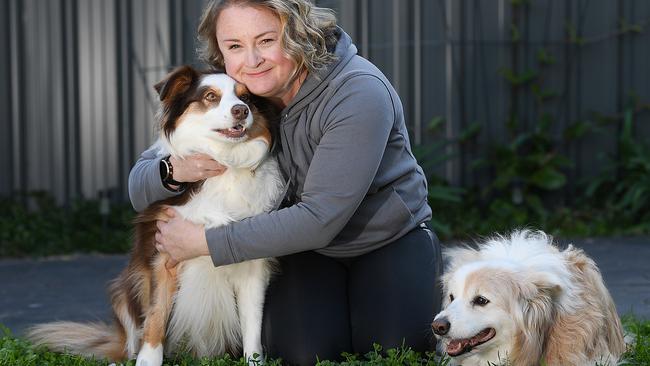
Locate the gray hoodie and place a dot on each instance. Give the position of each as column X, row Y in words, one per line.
column 353, row 183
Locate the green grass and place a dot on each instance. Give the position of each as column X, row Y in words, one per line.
column 18, row 352
column 15, row 351
column 639, row 351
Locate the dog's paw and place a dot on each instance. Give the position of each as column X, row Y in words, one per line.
column 150, row 356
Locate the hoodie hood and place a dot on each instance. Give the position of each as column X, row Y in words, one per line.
column 316, row 82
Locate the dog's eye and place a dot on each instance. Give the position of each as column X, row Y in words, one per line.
column 451, row 297
column 211, row 97
column 480, row 301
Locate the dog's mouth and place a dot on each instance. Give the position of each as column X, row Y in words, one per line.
column 459, row 346
column 234, row 132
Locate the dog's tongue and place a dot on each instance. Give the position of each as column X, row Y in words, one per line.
column 235, row 132
column 458, row 346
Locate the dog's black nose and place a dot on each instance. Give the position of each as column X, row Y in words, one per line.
column 441, row 326
column 239, row 111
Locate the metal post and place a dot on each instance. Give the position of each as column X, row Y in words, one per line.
column 417, row 70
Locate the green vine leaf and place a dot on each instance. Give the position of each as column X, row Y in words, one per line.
column 545, row 58
column 577, row 130
column 548, row 179
column 574, row 38
column 519, row 79
column 543, row 95
column 436, row 123
column 515, row 34
column 470, row 132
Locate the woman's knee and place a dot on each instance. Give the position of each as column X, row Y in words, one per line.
column 394, row 293
column 306, row 311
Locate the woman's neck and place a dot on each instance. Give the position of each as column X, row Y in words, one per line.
column 292, row 91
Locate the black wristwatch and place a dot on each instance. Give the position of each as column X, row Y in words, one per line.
column 167, row 175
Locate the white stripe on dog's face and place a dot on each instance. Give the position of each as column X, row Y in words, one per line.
column 215, row 114
column 221, row 114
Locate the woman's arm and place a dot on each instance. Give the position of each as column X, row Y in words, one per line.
column 145, row 183
column 359, row 117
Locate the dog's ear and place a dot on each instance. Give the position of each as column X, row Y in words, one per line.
column 533, row 313
column 539, row 294
column 176, row 83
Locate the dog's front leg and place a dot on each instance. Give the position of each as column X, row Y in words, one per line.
column 250, row 305
column 155, row 324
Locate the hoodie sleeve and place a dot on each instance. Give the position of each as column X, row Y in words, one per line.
column 145, row 183
column 357, row 121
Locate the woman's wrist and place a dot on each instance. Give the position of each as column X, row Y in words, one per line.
column 167, row 176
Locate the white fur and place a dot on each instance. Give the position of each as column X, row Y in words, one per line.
column 220, row 308
column 133, row 333
column 149, row 355
column 530, row 286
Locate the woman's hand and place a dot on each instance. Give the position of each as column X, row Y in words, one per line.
column 195, row 167
column 179, row 238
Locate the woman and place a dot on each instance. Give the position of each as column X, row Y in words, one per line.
column 357, row 263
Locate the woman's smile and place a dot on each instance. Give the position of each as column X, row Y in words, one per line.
column 256, row 74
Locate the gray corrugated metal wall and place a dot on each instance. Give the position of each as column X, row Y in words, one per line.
column 79, row 76
column 444, row 57
column 78, row 105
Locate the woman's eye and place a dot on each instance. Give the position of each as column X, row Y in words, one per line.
column 233, row 46
column 480, row 301
column 267, row 41
column 211, row 97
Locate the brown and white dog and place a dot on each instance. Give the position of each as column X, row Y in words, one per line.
column 205, row 310
column 518, row 300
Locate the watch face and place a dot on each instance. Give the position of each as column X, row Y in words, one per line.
column 164, row 169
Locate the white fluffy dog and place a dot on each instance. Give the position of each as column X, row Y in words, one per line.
column 520, row 301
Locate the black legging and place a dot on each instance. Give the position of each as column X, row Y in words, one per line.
column 319, row 306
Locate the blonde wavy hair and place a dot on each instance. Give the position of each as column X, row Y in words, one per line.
column 309, row 33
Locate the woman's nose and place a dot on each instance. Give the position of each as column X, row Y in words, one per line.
column 253, row 58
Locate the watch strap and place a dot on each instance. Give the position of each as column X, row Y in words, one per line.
column 167, row 174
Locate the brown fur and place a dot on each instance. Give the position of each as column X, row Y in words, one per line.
column 90, row 340
column 568, row 338
column 595, row 328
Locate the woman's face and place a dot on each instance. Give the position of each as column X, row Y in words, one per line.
column 250, row 40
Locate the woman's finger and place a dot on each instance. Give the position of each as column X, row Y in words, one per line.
column 199, row 156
